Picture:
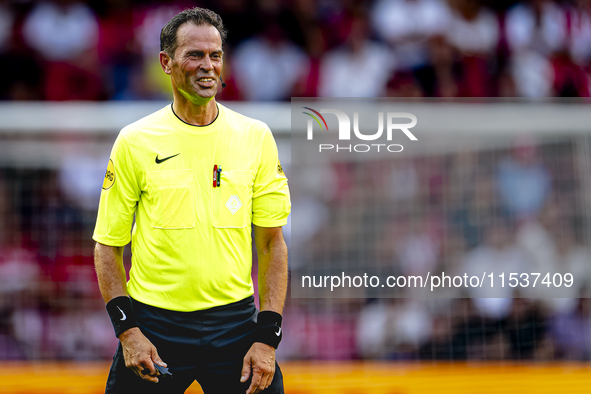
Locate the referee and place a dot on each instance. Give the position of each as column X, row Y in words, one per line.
column 195, row 175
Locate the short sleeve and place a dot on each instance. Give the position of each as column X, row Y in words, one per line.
column 270, row 203
column 119, row 197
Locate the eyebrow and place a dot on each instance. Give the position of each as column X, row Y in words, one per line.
column 198, row 52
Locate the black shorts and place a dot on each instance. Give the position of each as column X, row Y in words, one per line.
column 208, row 346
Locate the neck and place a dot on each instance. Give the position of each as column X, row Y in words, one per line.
column 195, row 113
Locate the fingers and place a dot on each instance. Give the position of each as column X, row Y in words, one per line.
column 260, row 382
column 260, row 362
column 140, row 355
column 269, row 378
column 150, row 373
column 143, row 366
column 265, row 382
column 145, row 363
column 156, row 358
column 245, row 370
column 257, row 376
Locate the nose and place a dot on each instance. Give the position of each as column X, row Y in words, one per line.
column 206, row 65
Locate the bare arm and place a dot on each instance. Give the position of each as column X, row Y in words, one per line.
column 272, row 253
column 108, row 262
column 138, row 351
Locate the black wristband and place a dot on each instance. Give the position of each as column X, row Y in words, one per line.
column 265, row 318
column 268, row 329
column 121, row 313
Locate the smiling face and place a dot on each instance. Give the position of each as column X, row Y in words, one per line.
column 197, row 62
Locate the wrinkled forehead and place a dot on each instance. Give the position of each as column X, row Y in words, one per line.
column 203, row 37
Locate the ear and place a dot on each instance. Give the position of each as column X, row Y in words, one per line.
column 165, row 61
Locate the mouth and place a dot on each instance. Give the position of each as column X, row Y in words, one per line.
column 206, row 82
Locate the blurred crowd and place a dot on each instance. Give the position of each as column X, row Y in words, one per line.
column 50, row 304
column 108, row 49
column 517, row 210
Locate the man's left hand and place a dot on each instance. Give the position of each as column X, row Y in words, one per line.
column 260, row 359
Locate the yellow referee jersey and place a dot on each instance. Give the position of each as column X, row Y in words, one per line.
column 191, row 242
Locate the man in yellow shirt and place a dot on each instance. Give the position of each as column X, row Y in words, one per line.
column 196, row 175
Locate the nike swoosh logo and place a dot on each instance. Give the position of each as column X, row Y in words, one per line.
column 125, row 317
column 158, row 161
column 278, row 332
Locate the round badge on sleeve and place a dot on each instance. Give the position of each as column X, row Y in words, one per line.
column 109, row 176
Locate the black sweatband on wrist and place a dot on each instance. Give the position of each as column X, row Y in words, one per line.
column 121, row 313
column 268, row 329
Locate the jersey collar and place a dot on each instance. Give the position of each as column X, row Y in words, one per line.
column 179, row 124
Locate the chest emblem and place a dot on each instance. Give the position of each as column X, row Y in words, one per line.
column 233, row 204
column 158, row 160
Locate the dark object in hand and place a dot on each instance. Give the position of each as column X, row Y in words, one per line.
column 163, row 371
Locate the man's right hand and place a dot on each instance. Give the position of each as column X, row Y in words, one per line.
column 140, row 354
